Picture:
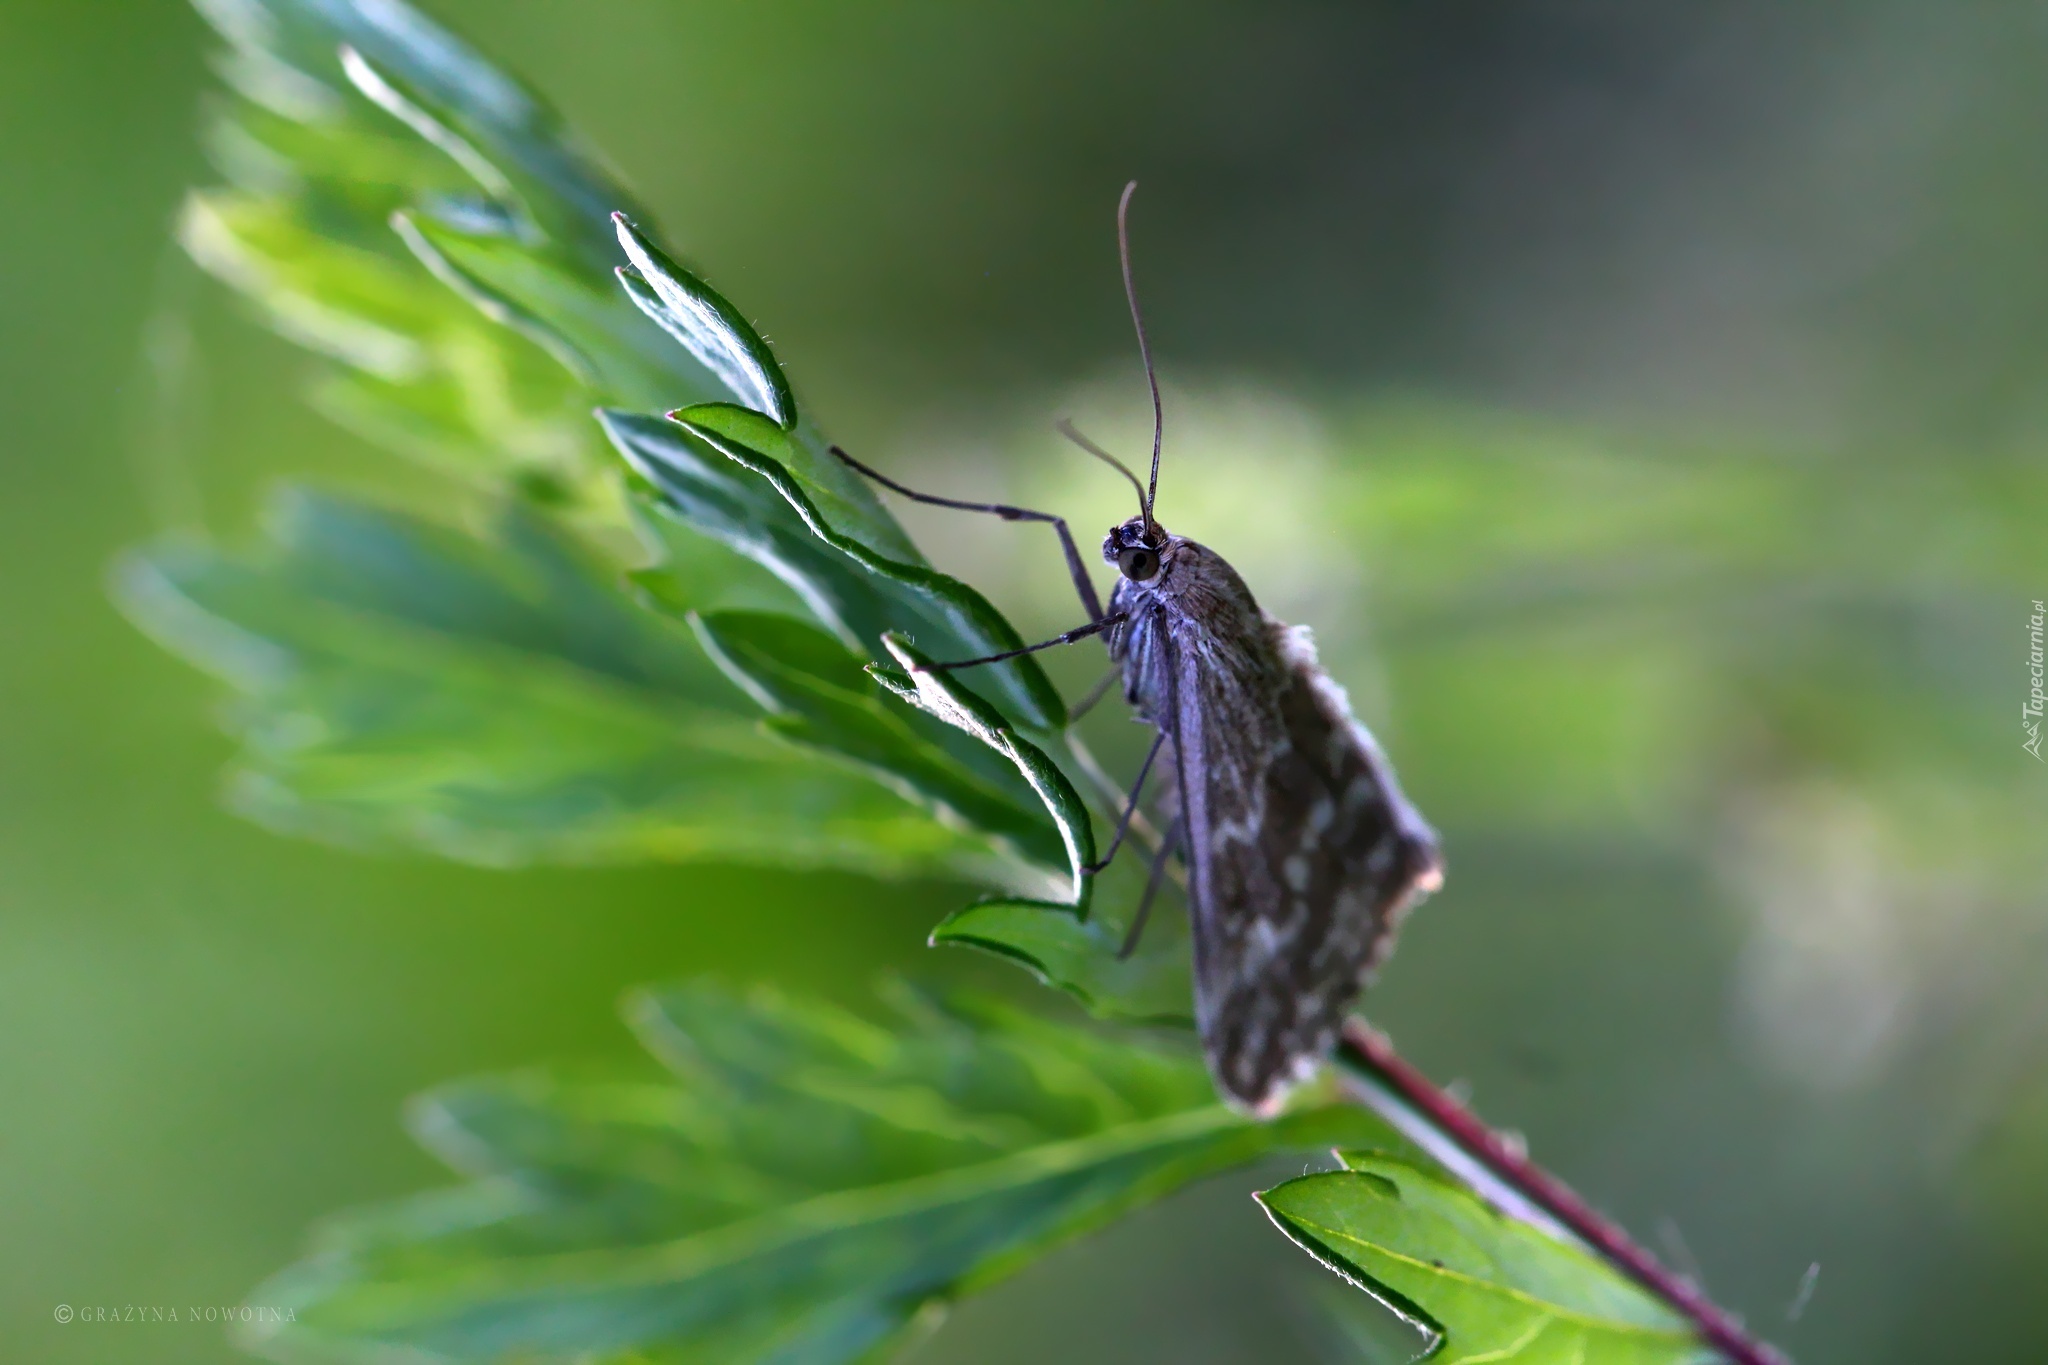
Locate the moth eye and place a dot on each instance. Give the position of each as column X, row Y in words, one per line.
column 1137, row 562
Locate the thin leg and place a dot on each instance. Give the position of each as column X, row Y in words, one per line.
column 1093, row 695
column 1083, row 584
column 1159, row 860
column 1123, row 826
column 1115, row 618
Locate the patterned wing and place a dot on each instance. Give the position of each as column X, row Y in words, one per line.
column 1303, row 854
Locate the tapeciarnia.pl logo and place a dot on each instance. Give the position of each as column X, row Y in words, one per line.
column 2030, row 714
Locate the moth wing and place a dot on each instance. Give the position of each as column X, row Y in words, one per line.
column 1303, row 857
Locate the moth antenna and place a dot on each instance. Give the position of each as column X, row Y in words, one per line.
column 1066, row 429
column 1123, row 248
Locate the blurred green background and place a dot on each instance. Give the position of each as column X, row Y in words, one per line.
column 1642, row 401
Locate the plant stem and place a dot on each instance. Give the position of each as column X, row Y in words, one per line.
column 1503, row 1174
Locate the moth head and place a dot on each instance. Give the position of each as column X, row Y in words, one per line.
column 1137, row 548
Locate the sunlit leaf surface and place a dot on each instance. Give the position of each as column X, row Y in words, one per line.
column 1482, row 1287
column 497, row 700
column 804, row 1186
column 432, row 231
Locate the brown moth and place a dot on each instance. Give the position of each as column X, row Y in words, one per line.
column 1302, row 854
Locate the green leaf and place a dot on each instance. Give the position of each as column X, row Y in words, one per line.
column 1079, row 956
column 818, row 696
column 680, row 586
column 352, row 173
column 290, row 53
column 487, row 193
column 430, row 375
column 941, row 695
column 833, row 501
column 709, row 328
column 432, row 760
column 518, row 236
column 816, row 1185
column 614, row 351
column 1489, row 1288
column 342, row 301
column 499, row 701
column 694, row 572
column 863, row 584
column 694, row 484
column 1079, row 953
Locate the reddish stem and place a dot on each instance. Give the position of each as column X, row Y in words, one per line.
column 1366, row 1051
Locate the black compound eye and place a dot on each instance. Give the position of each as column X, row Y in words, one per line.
column 1137, row 563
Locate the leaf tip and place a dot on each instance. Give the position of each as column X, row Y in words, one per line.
column 630, row 236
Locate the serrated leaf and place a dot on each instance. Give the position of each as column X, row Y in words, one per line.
column 341, row 301
column 816, row 1183
column 420, row 390
column 342, row 174
column 940, row 694
column 617, row 354
column 681, row 585
column 752, row 477
column 711, row 477
column 290, row 53
column 498, row 701
column 695, row 484
column 1079, row 956
column 695, row 572
column 357, row 170
column 834, row 505
column 431, row 376
column 397, row 97
column 441, row 421
column 817, row 695
column 708, row 327
column 833, row 501
column 1491, row 1289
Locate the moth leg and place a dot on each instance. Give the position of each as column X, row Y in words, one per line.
column 1083, row 585
column 1123, row 825
column 1115, row 618
column 1093, row 695
column 1167, row 846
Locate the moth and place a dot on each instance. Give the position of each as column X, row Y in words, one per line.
column 1302, row 855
